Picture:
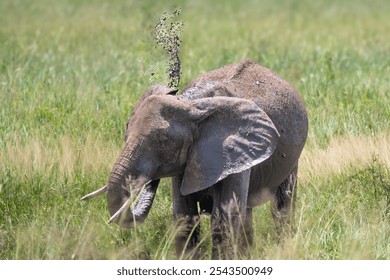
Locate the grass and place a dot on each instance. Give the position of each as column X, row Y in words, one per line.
column 72, row 71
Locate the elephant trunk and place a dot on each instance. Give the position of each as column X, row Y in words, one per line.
column 119, row 196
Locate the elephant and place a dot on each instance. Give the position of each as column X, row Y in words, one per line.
column 230, row 141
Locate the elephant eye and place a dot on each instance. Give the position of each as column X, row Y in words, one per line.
column 163, row 141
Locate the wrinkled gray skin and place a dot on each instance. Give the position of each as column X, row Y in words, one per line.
column 231, row 141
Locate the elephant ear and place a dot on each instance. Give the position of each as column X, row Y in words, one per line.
column 234, row 135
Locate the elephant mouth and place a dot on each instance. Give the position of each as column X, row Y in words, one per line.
column 121, row 200
column 142, row 198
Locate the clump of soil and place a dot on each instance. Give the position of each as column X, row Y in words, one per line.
column 167, row 34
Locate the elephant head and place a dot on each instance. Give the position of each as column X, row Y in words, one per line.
column 204, row 140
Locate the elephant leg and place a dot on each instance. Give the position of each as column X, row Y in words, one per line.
column 248, row 228
column 283, row 206
column 243, row 237
column 220, row 234
column 228, row 218
column 185, row 212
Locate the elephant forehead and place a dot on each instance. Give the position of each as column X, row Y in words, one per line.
column 149, row 114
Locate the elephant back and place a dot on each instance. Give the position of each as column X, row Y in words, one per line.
column 274, row 95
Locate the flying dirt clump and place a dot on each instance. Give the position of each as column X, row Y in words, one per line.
column 168, row 36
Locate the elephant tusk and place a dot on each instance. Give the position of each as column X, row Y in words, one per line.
column 95, row 193
column 123, row 207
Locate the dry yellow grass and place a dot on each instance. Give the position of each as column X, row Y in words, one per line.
column 41, row 155
column 93, row 154
column 343, row 152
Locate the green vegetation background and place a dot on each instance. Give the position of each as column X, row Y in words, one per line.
column 72, row 71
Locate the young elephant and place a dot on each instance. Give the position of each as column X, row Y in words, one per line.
column 231, row 141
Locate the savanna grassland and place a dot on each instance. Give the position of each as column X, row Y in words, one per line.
column 72, row 71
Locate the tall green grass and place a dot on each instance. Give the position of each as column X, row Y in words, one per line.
column 72, row 71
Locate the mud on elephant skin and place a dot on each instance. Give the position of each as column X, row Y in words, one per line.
column 231, row 141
